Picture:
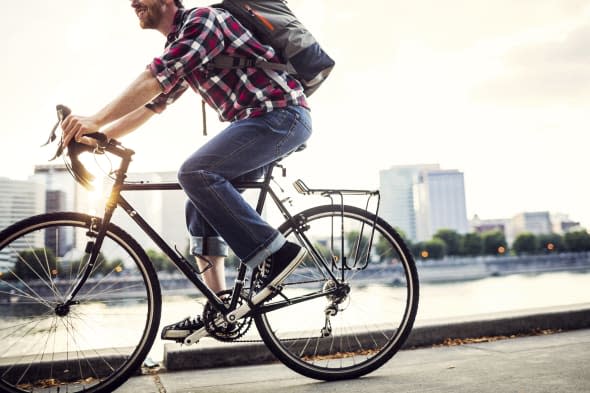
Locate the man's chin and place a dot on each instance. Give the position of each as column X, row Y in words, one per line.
column 145, row 24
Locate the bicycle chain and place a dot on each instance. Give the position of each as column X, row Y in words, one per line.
column 249, row 323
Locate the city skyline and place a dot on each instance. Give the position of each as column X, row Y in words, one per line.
column 498, row 90
column 75, row 198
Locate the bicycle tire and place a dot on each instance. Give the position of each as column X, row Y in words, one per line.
column 89, row 345
column 367, row 329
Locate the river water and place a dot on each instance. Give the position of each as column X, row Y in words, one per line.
column 452, row 301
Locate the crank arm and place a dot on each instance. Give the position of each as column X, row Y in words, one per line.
column 194, row 337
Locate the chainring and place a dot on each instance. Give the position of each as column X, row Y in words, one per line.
column 226, row 332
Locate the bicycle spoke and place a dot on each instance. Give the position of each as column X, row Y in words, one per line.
column 348, row 331
column 49, row 283
column 81, row 345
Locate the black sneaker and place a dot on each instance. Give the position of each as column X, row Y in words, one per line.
column 180, row 330
column 274, row 270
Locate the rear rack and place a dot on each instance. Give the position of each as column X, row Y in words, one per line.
column 302, row 188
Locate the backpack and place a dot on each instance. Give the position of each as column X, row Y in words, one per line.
column 273, row 23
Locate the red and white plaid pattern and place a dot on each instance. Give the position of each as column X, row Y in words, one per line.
column 200, row 34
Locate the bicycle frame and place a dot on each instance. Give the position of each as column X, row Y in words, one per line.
column 99, row 228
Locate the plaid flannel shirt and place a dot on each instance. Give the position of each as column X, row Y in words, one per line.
column 200, row 34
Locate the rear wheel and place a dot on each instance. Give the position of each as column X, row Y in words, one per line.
column 93, row 344
column 364, row 311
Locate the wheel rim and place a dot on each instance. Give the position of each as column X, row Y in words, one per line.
column 372, row 320
column 53, row 345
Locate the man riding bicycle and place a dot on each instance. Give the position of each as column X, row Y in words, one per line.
column 269, row 118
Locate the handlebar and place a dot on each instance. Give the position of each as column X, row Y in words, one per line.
column 74, row 149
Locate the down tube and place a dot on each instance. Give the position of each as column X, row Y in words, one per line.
column 181, row 263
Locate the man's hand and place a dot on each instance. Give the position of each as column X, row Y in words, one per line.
column 75, row 127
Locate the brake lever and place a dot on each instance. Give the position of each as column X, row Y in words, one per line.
column 62, row 112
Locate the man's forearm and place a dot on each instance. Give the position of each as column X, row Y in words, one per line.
column 141, row 91
column 128, row 123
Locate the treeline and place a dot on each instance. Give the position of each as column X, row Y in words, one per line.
column 41, row 263
column 448, row 242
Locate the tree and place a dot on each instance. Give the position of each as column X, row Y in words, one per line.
column 432, row 249
column 354, row 240
column 472, row 244
column 417, row 249
column 526, row 243
column 39, row 263
column 452, row 240
column 101, row 266
column 160, row 261
column 384, row 251
column 577, row 241
column 436, row 248
column 494, row 243
column 551, row 242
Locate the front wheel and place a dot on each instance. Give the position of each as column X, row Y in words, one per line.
column 363, row 287
column 96, row 342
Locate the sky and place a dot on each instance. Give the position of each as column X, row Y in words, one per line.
column 499, row 90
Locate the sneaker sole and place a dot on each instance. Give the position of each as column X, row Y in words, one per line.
column 266, row 292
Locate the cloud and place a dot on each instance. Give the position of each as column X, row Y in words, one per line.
column 553, row 71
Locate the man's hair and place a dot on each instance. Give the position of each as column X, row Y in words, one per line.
column 178, row 3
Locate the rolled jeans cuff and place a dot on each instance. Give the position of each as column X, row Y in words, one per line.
column 266, row 251
column 210, row 246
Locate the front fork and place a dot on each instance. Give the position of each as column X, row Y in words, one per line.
column 97, row 229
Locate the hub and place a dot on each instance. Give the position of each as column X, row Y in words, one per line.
column 337, row 293
column 62, row 310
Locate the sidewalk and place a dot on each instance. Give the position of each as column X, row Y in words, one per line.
column 550, row 363
column 210, row 353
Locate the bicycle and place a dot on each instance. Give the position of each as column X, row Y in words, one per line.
column 74, row 272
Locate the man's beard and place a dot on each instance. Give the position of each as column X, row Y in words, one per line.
column 151, row 16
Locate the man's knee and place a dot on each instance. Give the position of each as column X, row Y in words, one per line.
column 192, row 176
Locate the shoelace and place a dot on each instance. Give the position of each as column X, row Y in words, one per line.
column 189, row 322
column 265, row 268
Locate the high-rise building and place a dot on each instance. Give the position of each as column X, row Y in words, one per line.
column 62, row 194
column 439, row 203
column 18, row 200
column 55, row 201
column 58, row 178
column 397, row 196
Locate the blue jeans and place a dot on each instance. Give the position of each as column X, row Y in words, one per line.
column 217, row 215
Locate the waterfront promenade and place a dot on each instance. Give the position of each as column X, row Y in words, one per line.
column 541, row 350
column 545, row 363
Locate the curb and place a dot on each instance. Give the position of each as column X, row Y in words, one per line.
column 177, row 357
column 505, row 326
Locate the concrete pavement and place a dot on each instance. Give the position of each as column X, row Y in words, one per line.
column 547, row 363
column 209, row 353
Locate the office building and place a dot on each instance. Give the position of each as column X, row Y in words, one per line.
column 397, row 196
column 537, row 223
column 18, row 200
column 439, row 203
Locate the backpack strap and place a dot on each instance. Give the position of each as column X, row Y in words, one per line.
column 233, row 62
column 269, row 68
